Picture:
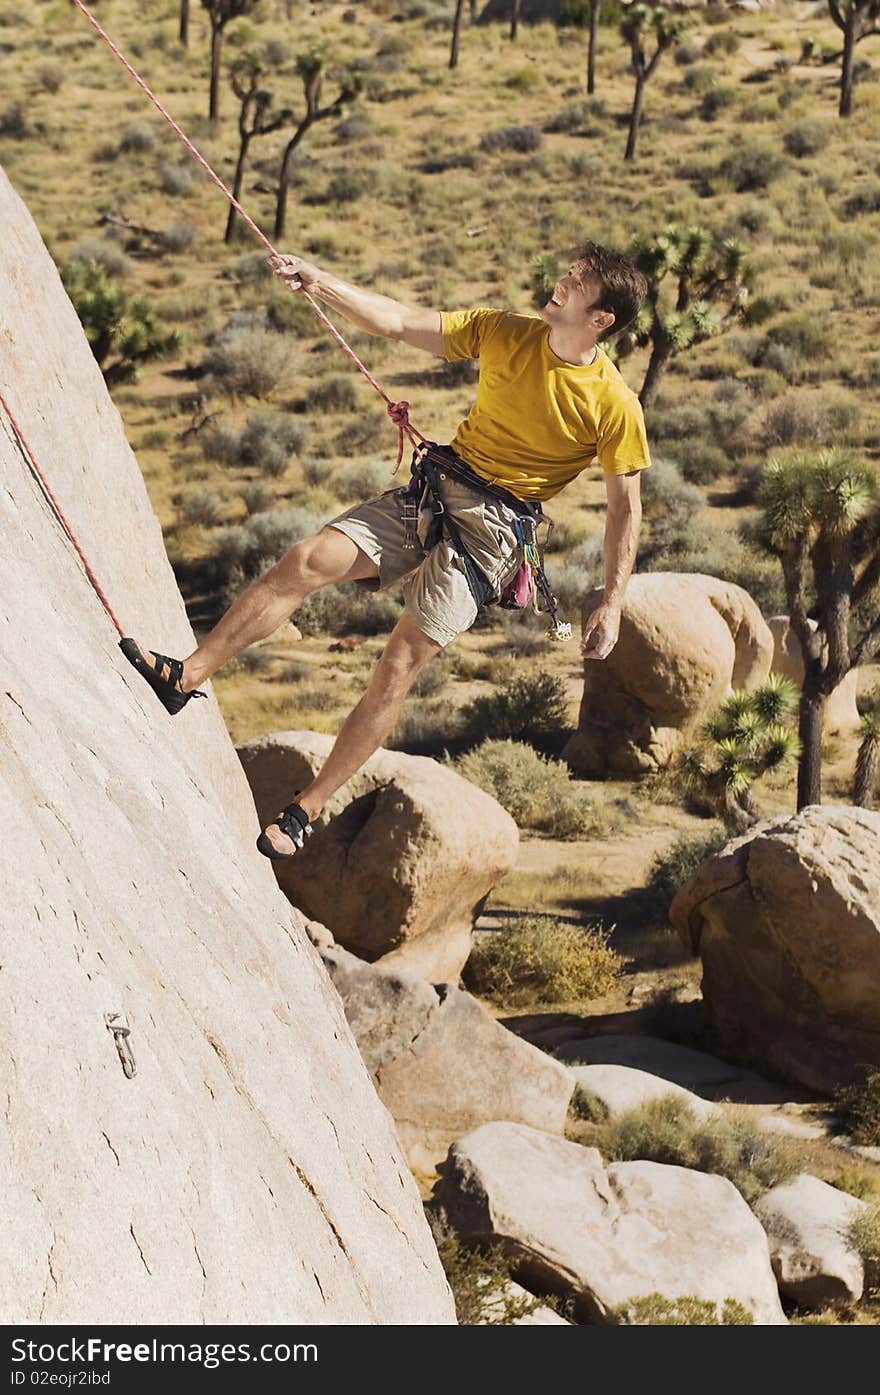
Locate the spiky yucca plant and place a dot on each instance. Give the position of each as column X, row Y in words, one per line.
column 820, row 517
column 867, row 776
column 642, row 26
column 742, row 740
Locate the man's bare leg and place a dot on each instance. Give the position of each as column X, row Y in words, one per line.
column 326, row 558
column 369, row 723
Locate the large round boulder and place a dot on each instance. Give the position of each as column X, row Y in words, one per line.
column 685, row 642
column 406, row 855
column 787, row 923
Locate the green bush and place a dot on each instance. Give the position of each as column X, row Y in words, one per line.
column 666, row 1130
column 858, row 1183
column 266, row 443
column 337, row 610
column 656, row 1310
column 701, row 462
column 527, row 707
column 807, row 137
column 538, row 793
column 361, row 480
column 202, row 506
column 256, row 496
column 752, row 165
column 715, row 101
column 804, row 416
column 103, row 253
column 542, row 960
column 672, row 868
column 858, row 1109
column 863, row 1234
column 479, row 1278
column 723, row 41
column 244, row 551
column 247, row 361
column 345, row 188
column 521, row 139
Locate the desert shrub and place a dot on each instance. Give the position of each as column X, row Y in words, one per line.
column 430, row 680
column 723, row 41
column 361, row 479
column 523, row 80
column 521, row 139
column 251, row 268
column 338, row 610
column 174, row 180
column 355, row 126
column 538, row 793
column 103, row 253
column 686, row 53
column 716, row 100
column 701, row 462
column 700, row 78
column 805, row 416
column 179, row 237
column 244, row 551
column 50, row 76
column 863, row 1234
column 542, row 960
column 864, row 1186
column 672, row 868
column 752, row 165
column 337, row 393
column 256, row 496
column 807, row 137
column 137, row 138
column 203, row 506
column 864, row 200
column 803, row 333
column 526, row 707
column 656, row 1310
column 345, row 188
column 668, row 502
column 14, row 124
column 667, row 1130
column 727, row 556
column 269, row 440
column 247, row 361
column 858, row 1109
column 479, row 1278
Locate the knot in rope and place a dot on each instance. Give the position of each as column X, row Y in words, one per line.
column 399, row 414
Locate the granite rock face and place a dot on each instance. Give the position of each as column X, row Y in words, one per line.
column 787, row 923
column 247, row 1173
column 685, row 642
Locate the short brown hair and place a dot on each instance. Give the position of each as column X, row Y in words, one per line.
column 622, row 287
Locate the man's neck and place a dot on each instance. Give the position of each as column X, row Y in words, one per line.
column 572, row 347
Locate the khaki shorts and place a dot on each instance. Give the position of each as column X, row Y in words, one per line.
column 435, row 588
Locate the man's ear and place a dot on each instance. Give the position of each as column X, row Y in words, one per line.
column 607, row 320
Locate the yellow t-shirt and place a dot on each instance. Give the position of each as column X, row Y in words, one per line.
column 537, row 420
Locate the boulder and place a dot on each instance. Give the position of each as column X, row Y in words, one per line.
column 685, row 642
column 440, row 1062
column 806, row 1223
column 401, row 872
column 607, row 1236
column 620, row 1088
column 691, row 1070
column 247, row 1173
column 841, row 713
column 511, row 1298
column 786, row 921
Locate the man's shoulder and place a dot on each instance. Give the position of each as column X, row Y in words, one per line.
column 615, row 391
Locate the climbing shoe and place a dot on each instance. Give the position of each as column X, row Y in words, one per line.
column 294, row 824
column 163, row 676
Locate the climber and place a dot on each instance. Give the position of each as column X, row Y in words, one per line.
column 549, row 401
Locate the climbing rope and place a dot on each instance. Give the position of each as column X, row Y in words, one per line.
column 398, row 411
column 56, row 509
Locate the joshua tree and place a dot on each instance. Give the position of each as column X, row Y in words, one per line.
column 220, row 13
column 122, row 334
column 456, row 33
column 867, row 777
column 595, row 14
column 184, row 23
column 255, row 118
column 709, row 281
column 515, row 12
column 820, row 516
column 639, row 24
column 745, row 738
column 858, row 20
column 310, row 67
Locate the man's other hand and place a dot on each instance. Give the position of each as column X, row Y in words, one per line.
column 297, row 274
column 601, row 630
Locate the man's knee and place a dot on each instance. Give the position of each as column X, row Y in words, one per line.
column 330, row 556
column 406, row 654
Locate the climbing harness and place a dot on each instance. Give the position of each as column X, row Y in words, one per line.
column 430, row 464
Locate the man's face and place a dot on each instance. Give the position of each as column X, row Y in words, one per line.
column 573, row 298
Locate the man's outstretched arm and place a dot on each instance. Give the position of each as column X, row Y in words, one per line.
column 622, row 524
column 376, row 314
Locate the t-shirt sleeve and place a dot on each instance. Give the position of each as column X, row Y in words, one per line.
column 465, row 331
column 622, row 442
